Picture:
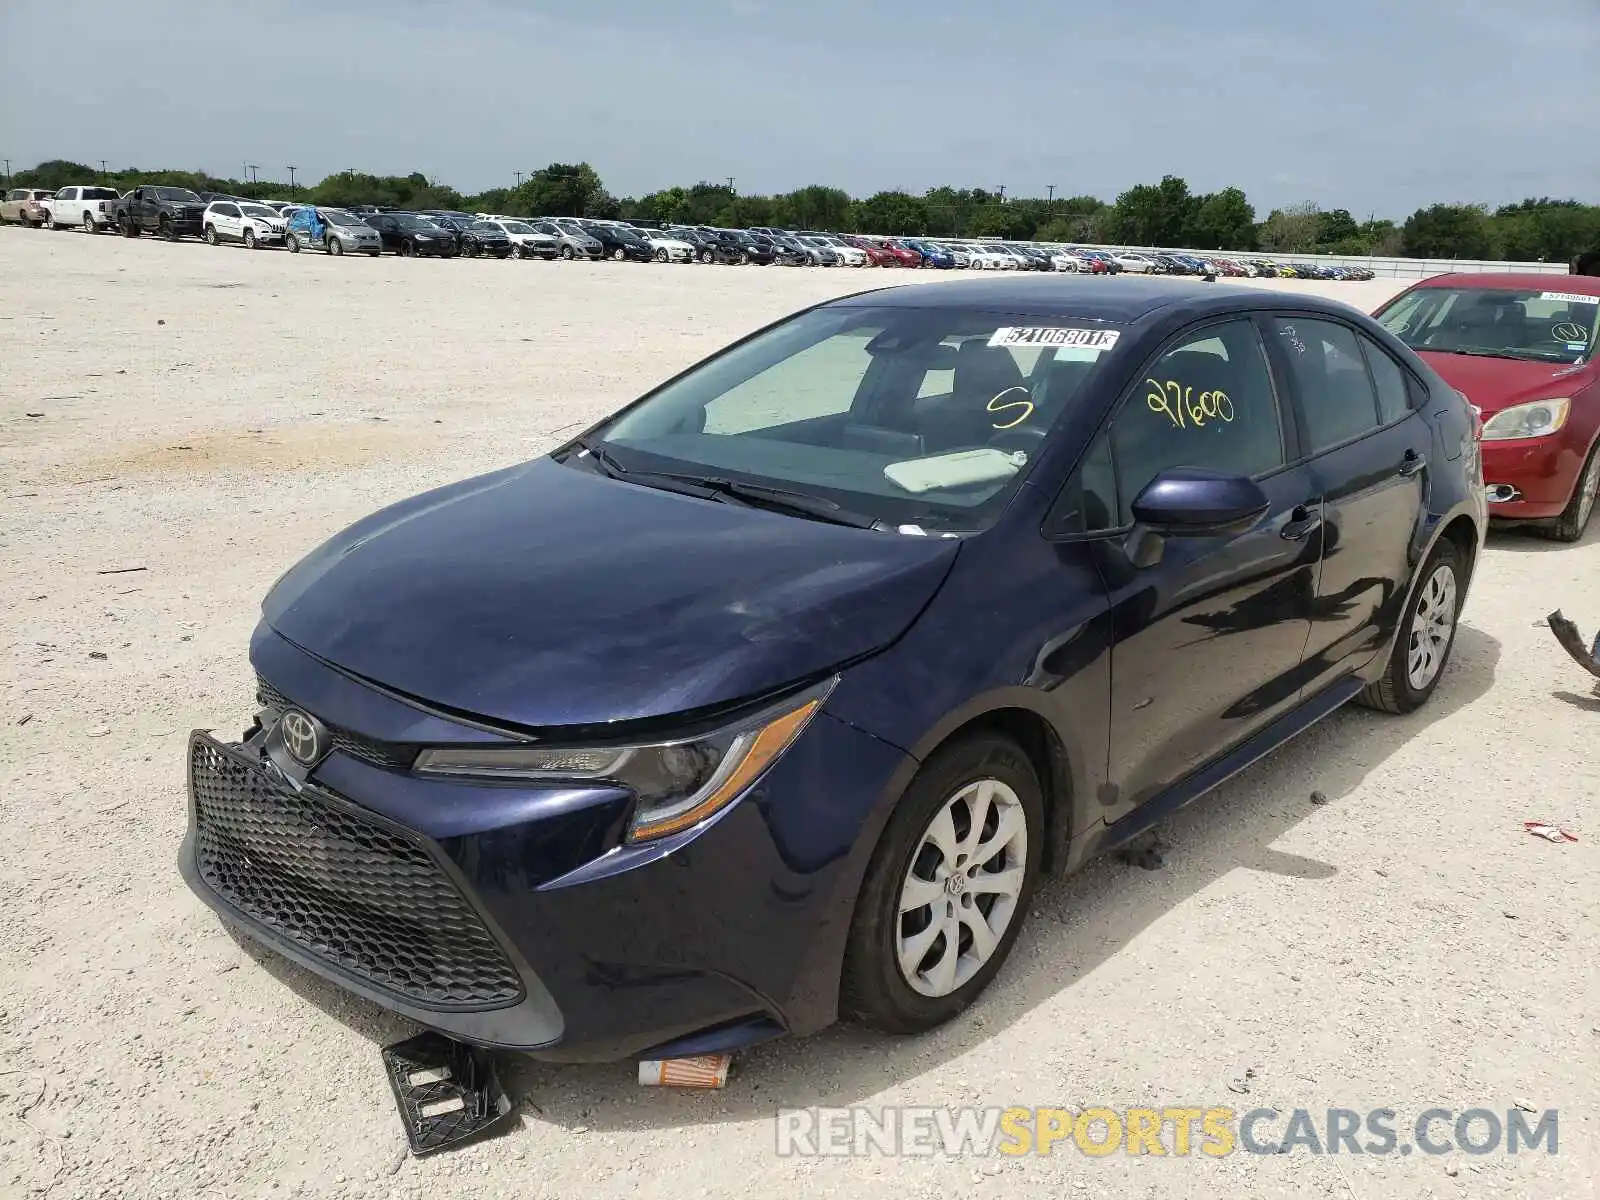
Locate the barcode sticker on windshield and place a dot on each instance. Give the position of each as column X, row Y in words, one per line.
column 1562, row 297
column 1079, row 339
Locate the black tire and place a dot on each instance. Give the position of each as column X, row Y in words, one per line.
column 407, row 250
column 168, row 229
column 130, row 228
column 1395, row 692
column 568, row 253
column 619, row 254
column 335, row 246
column 292, row 240
column 250, row 242
column 873, row 990
column 211, row 236
column 704, row 256
column 1574, row 519
column 89, row 225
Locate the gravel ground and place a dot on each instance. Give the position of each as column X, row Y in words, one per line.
column 209, row 415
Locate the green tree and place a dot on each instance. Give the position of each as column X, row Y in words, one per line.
column 1291, row 230
column 1448, row 231
column 894, row 213
column 818, row 207
column 1380, row 237
column 561, row 190
column 1154, row 214
column 1336, row 226
column 1222, row 221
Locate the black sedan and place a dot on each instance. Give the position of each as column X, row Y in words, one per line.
column 412, row 234
column 620, row 243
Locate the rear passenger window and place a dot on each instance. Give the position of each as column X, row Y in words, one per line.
column 1329, row 375
column 1208, row 402
column 1389, row 381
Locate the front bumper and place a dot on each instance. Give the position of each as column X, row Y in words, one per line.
column 514, row 916
column 1542, row 470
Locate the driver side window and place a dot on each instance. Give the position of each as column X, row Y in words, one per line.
column 1207, row 402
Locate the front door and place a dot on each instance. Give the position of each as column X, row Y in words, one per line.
column 1208, row 641
column 1369, row 452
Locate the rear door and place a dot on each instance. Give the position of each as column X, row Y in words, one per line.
column 1367, row 446
column 1208, row 641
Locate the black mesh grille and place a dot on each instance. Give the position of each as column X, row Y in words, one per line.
column 370, row 750
column 355, row 891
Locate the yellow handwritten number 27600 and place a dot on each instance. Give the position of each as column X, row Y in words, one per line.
column 1187, row 410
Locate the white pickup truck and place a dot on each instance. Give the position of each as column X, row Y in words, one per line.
column 90, row 209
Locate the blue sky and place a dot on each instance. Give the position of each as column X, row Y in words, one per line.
column 1372, row 105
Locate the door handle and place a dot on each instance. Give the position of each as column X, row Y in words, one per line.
column 1412, row 462
column 1303, row 522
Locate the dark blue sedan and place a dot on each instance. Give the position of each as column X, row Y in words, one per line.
column 769, row 699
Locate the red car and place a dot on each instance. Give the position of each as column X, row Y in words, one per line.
column 905, row 254
column 1521, row 348
column 877, row 256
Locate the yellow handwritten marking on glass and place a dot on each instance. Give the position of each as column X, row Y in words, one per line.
column 1186, row 410
column 1025, row 404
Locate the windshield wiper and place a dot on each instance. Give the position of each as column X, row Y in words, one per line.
column 1516, row 355
column 778, row 499
column 730, row 491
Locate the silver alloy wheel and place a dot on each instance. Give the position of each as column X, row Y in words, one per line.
column 960, row 893
column 1431, row 627
column 1589, row 486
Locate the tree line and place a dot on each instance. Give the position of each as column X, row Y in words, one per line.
column 1167, row 213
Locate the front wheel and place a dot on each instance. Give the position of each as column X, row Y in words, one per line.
column 168, row 229
column 250, row 242
column 1574, row 519
column 407, row 250
column 335, row 247
column 662, row 256
column 947, row 887
column 568, row 253
column 1427, row 633
column 619, row 254
column 704, row 256
column 211, row 236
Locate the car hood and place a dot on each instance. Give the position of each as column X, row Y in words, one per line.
column 1494, row 384
column 543, row 595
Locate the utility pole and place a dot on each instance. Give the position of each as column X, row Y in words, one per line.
column 253, row 176
column 518, row 174
column 7, row 162
column 1051, row 199
column 102, row 170
column 1002, row 193
column 291, row 179
column 730, row 185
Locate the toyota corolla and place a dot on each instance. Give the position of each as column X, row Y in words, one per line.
column 768, row 699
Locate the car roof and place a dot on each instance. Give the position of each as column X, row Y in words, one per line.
column 1530, row 281
column 1124, row 300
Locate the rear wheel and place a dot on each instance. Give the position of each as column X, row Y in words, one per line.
column 947, row 887
column 89, row 225
column 1574, row 519
column 292, row 240
column 1427, row 634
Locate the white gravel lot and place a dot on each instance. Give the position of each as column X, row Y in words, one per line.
column 209, row 415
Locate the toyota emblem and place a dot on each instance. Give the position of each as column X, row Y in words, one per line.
column 302, row 737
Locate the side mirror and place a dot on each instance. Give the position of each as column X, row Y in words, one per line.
column 1192, row 502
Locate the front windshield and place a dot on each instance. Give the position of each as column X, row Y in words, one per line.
column 1537, row 324
column 909, row 416
column 257, row 210
column 486, row 227
column 517, row 227
column 181, row 195
column 341, row 218
column 418, row 224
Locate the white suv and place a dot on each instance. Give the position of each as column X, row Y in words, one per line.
column 246, row 221
column 88, row 208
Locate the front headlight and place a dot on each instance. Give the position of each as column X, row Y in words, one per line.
column 676, row 784
column 1538, row 419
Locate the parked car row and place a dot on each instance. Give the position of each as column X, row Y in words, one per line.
column 370, row 229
